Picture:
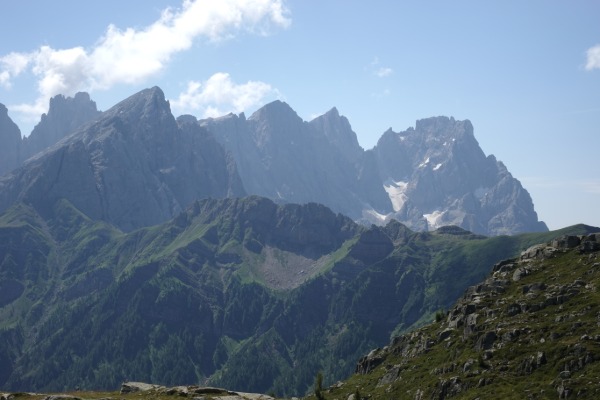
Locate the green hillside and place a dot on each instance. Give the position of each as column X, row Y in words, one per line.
column 529, row 331
column 236, row 293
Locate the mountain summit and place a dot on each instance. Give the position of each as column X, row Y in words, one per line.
column 136, row 165
column 133, row 166
column 425, row 177
column 65, row 114
column 436, row 174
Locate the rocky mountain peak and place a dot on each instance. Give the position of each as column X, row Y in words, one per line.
column 3, row 111
column 338, row 131
column 145, row 117
column 436, row 174
column 7, row 126
column 432, row 175
column 439, row 123
column 65, row 115
column 58, row 102
column 146, row 104
column 133, row 166
column 186, row 119
column 276, row 107
column 332, row 114
column 440, row 129
column 10, row 141
column 277, row 115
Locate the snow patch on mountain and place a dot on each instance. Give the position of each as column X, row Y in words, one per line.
column 434, row 219
column 373, row 216
column 397, row 193
column 424, row 163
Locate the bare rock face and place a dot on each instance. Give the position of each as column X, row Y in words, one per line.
column 426, row 177
column 10, row 142
column 436, row 174
column 282, row 157
column 65, row 115
column 133, row 166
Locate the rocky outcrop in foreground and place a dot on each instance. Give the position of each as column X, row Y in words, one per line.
column 530, row 330
column 147, row 390
column 193, row 392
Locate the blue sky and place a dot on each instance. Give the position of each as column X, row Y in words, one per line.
column 527, row 74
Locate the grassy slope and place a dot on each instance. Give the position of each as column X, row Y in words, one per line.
column 532, row 349
column 185, row 300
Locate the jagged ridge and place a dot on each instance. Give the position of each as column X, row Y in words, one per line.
column 426, row 177
column 133, row 166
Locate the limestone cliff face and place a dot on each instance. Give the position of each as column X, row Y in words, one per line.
column 282, row 157
column 429, row 176
column 10, row 142
column 64, row 116
column 436, row 174
column 133, row 166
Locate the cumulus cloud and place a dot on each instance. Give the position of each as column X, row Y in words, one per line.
column 11, row 65
column 219, row 95
column 133, row 55
column 593, row 58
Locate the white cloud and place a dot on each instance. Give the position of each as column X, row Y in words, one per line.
column 383, row 72
column 133, row 55
column 220, row 95
column 5, row 79
column 593, row 58
column 11, row 65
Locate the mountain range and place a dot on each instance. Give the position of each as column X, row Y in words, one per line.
column 106, row 163
column 242, row 252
